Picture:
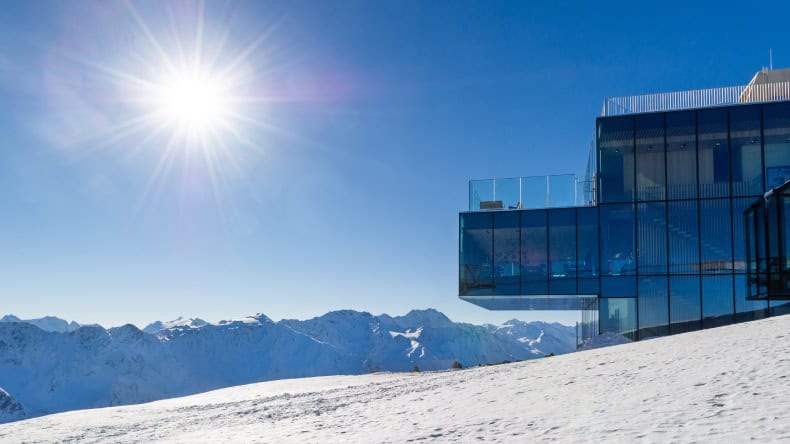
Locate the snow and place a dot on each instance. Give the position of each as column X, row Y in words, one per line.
column 49, row 372
column 727, row 384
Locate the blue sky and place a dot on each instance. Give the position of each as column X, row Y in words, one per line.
column 341, row 188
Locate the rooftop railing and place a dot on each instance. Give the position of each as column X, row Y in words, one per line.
column 698, row 98
column 516, row 193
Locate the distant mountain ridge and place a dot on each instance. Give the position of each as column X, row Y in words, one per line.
column 47, row 323
column 46, row 371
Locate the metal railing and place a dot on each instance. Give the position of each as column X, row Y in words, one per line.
column 698, row 98
column 516, row 193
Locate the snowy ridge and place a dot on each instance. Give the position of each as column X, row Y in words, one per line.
column 727, row 384
column 48, row 371
column 47, row 323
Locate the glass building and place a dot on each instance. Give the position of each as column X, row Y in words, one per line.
column 677, row 225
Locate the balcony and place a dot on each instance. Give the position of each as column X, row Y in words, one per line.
column 754, row 92
column 517, row 193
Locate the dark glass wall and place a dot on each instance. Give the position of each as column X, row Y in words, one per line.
column 476, row 255
column 616, row 157
column 507, row 261
column 695, row 172
column 534, row 252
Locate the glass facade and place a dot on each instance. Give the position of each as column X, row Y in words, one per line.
column 670, row 246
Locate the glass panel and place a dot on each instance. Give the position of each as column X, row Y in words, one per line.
column 685, row 312
column 618, row 287
column 779, row 308
column 653, row 307
column 508, row 192
column 481, row 191
column 785, row 223
column 476, row 254
column 562, row 191
column 776, row 131
column 714, row 153
column 715, row 236
column 683, row 237
column 588, row 286
column 618, row 316
column 534, row 192
column 534, row 252
column 507, row 231
column 739, row 232
column 562, row 251
column 617, row 240
column 652, row 241
column 682, row 155
column 775, row 283
column 747, row 170
column 747, row 310
column 717, row 300
column 650, row 165
column 616, row 148
column 587, row 237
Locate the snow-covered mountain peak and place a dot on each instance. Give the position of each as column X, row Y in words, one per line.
column 157, row 326
column 47, row 323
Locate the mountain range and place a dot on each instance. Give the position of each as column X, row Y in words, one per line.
column 49, row 365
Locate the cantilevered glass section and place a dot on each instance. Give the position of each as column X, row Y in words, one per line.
column 679, row 222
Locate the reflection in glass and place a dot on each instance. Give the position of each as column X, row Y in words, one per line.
column 653, row 306
column 476, row 261
column 776, row 130
column 683, row 237
column 507, row 230
column 682, row 155
column 714, row 153
column 562, row 251
column 652, row 238
column 715, row 236
column 717, row 300
column 618, row 315
column 587, row 236
column 746, row 147
column 534, row 252
column 650, row 166
column 747, row 310
column 617, row 240
column 685, row 312
column 616, row 151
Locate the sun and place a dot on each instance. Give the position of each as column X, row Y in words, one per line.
column 193, row 101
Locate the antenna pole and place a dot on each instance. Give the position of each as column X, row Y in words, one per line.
column 771, row 59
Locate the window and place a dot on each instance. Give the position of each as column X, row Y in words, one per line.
column 650, row 165
column 534, row 252
column 717, row 300
column 507, row 269
column 616, row 149
column 746, row 151
column 714, row 153
column 618, row 316
column 683, row 237
column 746, row 310
column 682, row 155
column 776, row 130
column 652, row 238
column 476, row 258
column 617, row 240
column 715, row 236
column 653, row 306
column 562, row 251
column 587, row 260
column 685, row 312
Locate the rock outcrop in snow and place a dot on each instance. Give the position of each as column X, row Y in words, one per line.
column 50, row 371
column 10, row 409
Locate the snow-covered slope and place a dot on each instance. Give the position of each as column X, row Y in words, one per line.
column 727, row 384
column 49, row 372
column 47, row 323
